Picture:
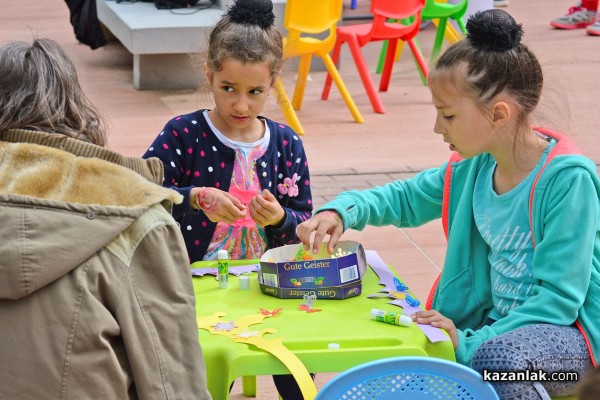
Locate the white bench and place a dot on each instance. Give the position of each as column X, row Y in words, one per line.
column 161, row 41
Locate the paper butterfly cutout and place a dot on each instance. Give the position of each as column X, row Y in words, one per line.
column 304, row 307
column 412, row 301
column 393, row 286
column 401, row 287
column 270, row 313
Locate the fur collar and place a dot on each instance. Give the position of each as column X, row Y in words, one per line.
column 45, row 172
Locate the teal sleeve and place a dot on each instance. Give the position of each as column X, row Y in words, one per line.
column 402, row 203
column 469, row 340
column 562, row 261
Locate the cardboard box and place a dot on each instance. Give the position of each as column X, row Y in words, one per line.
column 332, row 292
column 326, row 276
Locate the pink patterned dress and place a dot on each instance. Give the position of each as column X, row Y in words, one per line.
column 243, row 238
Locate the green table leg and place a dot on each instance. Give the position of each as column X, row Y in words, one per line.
column 249, row 386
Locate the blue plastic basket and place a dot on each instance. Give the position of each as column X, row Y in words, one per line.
column 414, row 378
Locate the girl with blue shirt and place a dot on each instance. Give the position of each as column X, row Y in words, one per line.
column 244, row 178
column 520, row 207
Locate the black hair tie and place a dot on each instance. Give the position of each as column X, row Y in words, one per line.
column 252, row 12
column 494, row 30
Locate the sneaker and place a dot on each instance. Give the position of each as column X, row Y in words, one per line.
column 594, row 29
column 577, row 17
column 500, row 3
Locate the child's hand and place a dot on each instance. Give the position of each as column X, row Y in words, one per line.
column 265, row 210
column 324, row 223
column 219, row 206
column 434, row 318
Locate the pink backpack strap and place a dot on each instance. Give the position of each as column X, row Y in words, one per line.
column 563, row 146
column 454, row 157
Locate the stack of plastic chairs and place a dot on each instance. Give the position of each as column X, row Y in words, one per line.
column 357, row 36
column 408, row 378
column 438, row 11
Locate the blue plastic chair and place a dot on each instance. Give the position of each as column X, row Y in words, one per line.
column 414, row 378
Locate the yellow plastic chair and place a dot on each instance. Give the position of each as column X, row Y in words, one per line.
column 304, row 21
column 286, row 107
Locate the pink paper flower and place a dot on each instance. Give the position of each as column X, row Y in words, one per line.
column 289, row 186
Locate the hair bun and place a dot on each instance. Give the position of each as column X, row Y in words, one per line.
column 493, row 30
column 253, row 12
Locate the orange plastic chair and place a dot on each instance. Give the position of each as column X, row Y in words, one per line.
column 379, row 29
column 304, row 20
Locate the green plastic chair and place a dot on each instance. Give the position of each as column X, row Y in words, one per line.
column 439, row 12
column 443, row 12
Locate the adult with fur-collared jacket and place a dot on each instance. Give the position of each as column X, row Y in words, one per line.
column 96, row 297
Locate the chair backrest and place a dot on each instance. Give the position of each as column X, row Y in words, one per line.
column 386, row 10
column 436, row 9
column 393, row 9
column 309, row 18
column 312, row 16
column 413, row 378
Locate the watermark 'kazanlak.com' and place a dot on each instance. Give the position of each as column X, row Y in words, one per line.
column 529, row 375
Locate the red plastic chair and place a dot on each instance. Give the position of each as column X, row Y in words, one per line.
column 379, row 29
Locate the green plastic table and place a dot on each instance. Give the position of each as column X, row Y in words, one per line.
column 344, row 322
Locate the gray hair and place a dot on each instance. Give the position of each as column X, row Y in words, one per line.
column 40, row 90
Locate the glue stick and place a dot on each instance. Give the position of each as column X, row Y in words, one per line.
column 390, row 317
column 223, row 269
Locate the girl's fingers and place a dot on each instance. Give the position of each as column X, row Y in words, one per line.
column 232, row 212
column 322, row 224
column 334, row 238
column 424, row 313
column 235, row 202
column 305, row 230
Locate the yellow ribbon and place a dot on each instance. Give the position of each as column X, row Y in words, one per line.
column 238, row 332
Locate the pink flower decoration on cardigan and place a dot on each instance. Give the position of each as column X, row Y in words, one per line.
column 289, row 186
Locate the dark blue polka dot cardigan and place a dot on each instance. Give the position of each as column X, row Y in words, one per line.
column 194, row 157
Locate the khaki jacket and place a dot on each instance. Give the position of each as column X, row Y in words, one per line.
column 96, row 297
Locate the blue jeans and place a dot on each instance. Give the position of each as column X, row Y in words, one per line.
column 542, row 347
